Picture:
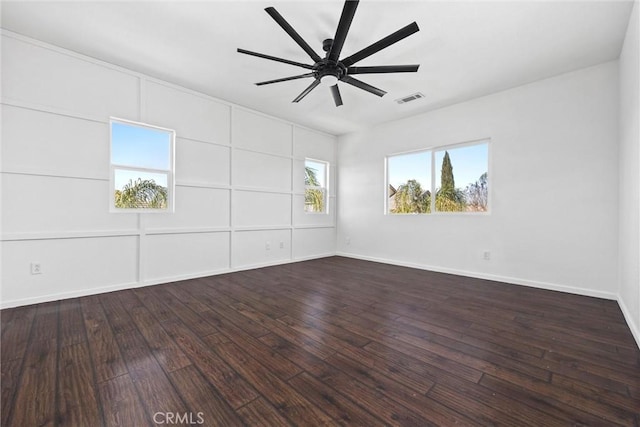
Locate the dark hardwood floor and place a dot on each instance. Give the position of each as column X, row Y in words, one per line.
column 333, row 341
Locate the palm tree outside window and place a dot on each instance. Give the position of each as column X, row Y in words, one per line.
column 315, row 182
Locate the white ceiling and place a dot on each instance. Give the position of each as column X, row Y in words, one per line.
column 465, row 49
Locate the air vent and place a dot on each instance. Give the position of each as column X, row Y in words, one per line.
column 410, row 98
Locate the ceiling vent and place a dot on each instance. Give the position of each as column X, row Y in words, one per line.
column 410, row 98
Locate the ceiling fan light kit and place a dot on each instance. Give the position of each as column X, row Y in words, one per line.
column 330, row 70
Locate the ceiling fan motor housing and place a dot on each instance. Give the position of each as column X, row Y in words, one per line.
column 326, row 67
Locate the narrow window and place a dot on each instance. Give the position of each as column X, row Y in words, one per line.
column 315, row 182
column 142, row 159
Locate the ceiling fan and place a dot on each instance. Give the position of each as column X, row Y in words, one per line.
column 330, row 69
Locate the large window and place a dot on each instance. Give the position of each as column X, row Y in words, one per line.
column 446, row 179
column 142, row 159
column 315, row 183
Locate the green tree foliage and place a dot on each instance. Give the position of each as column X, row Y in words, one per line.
column 476, row 194
column 448, row 197
column 313, row 197
column 411, row 198
column 447, row 182
column 141, row 193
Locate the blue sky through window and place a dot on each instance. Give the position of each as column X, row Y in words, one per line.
column 403, row 167
column 320, row 169
column 468, row 162
column 140, row 147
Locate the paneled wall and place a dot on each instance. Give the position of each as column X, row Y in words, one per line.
column 239, row 181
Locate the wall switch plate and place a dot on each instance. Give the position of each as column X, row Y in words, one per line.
column 36, row 268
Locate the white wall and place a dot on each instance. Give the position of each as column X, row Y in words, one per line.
column 629, row 68
column 239, row 176
column 553, row 187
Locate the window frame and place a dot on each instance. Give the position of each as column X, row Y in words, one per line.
column 170, row 173
column 432, row 151
column 324, row 190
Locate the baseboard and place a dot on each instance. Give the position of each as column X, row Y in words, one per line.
column 66, row 295
column 133, row 285
column 485, row 276
column 631, row 322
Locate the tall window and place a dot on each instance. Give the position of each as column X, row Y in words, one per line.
column 142, row 159
column 456, row 175
column 315, row 182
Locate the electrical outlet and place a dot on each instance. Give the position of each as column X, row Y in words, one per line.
column 267, row 246
column 347, row 240
column 281, row 245
column 486, row 255
column 36, row 268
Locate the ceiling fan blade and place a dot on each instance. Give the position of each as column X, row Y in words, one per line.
column 292, row 33
column 383, row 69
column 305, row 92
column 336, row 95
column 348, row 11
column 381, row 44
column 364, row 86
column 284, row 79
column 274, row 58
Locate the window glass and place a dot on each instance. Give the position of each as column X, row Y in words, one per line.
column 409, row 183
column 460, row 180
column 462, row 175
column 315, row 181
column 141, row 167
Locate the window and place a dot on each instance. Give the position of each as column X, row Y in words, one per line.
column 142, row 159
column 409, row 181
column 315, row 183
column 456, row 175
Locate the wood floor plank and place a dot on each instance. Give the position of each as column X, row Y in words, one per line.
column 332, row 341
column 278, row 329
column 235, row 389
column 78, row 403
column 343, row 410
column 118, row 316
column 278, row 365
column 189, row 317
column 206, row 405
column 601, row 395
column 153, row 386
column 71, row 323
column 150, row 300
column 418, row 403
column 121, row 404
column 15, row 331
column 284, row 398
column 39, row 376
column 9, row 385
column 259, row 412
column 370, row 399
column 579, row 409
column 107, row 360
column 166, row 351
